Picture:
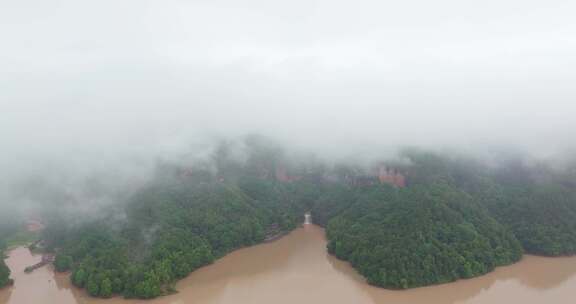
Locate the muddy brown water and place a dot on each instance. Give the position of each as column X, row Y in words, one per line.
column 297, row 269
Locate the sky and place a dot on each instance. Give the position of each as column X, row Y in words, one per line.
column 92, row 81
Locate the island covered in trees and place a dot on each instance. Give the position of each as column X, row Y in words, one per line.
column 418, row 219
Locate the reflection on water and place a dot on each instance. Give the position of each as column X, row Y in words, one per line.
column 297, row 269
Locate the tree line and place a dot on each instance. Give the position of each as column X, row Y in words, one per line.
column 4, row 270
column 457, row 218
column 172, row 226
column 7, row 227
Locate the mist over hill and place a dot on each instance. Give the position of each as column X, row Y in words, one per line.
column 417, row 218
column 141, row 140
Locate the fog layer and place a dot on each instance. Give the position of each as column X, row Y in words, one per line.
column 94, row 82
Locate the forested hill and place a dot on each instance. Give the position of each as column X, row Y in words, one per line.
column 535, row 200
column 403, row 238
column 172, row 229
column 457, row 219
column 4, row 270
column 8, row 227
column 185, row 217
column 427, row 219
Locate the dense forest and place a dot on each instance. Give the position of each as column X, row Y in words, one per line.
column 457, row 219
column 402, row 238
column 184, row 218
column 536, row 201
column 4, row 270
column 6, row 228
column 424, row 218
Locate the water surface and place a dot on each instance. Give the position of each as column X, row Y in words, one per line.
column 297, row 269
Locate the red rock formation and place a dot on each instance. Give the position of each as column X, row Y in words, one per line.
column 283, row 176
column 391, row 176
column 400, row 180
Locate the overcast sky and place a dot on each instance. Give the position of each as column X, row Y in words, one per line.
column 96, row 79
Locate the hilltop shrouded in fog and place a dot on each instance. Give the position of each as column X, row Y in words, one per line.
column 89, row 82
column 415, row 219
column 87, row 87
column 433, row 140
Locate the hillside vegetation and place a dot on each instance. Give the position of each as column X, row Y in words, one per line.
column 451, row 218
column 4, row 270
column 403, row 238
column 7, row 228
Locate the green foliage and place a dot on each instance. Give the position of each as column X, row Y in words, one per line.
column 62, row 263
column 79, row 278
column 541, row 216
column 534, row 201
column 106, row 288
column 4, row 275
column 419, row 236
column 93, row 287
column 335, row 199
column 173, row 227
column 4, row 272
column 456, row 219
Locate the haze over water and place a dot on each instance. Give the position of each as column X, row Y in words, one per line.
column 297, row 269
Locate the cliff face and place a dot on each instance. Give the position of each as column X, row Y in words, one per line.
column 380, row 174
column 392, row 177
column 283, row 176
